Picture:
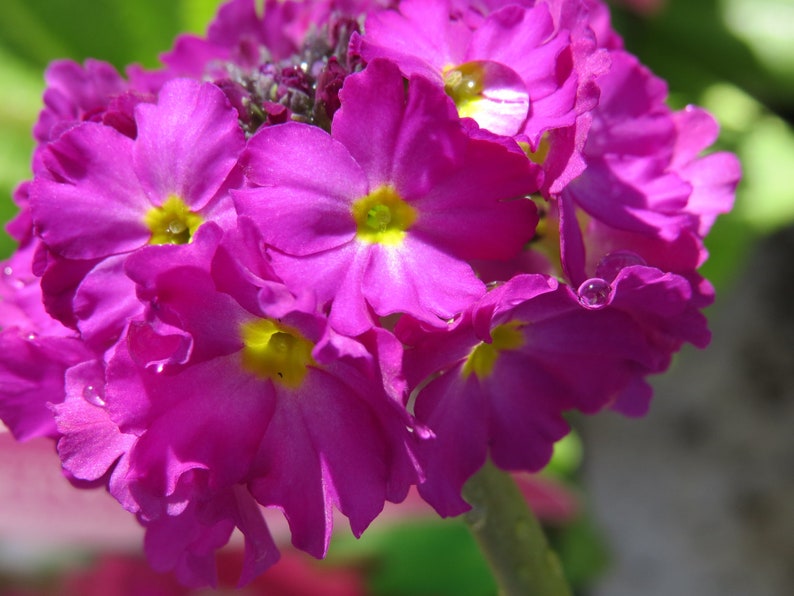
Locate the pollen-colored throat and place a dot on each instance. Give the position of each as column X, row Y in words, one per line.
column 172, row 222
column 276, row 352
column 482, row 359
column 383, row 216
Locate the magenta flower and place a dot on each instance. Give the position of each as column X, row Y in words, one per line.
column 105, row 194
column 495, row 73
column 383, row 213
column 314, row 423
column 35, row 351
column 532, row 349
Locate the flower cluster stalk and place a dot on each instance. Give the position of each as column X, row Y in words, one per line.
column 510, row 537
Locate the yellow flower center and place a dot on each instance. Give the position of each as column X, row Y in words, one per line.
column 275, row 352
column 383, row 216
column 482, row 358
column 172, row 222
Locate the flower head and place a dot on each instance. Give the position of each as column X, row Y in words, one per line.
column 336, row 249
column 384, row 213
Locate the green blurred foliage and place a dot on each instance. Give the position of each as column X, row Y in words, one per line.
column 420, row 558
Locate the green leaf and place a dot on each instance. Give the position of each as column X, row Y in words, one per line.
column 20, row 90
column 430, row 558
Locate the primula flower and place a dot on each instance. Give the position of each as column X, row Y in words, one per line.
column 76, row 94
column 498, row 382
column 100, row 195
column 107, row 194
column 311, row 426
column 383, row 213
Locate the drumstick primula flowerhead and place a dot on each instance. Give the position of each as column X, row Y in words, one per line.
column 334, row 250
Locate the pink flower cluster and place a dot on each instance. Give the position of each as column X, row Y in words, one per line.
column 340, row 248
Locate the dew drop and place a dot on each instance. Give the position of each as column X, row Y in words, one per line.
column 177, row 227
column 609, row 266
column 32, row 336
column 159, row 368
column 93, row 395
column 595, row 293
column 8, row 271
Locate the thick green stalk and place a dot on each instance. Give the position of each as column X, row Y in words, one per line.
column 511, row 537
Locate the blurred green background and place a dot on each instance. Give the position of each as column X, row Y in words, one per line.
column 734, row 57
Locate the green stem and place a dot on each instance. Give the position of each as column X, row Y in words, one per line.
column 510, row 537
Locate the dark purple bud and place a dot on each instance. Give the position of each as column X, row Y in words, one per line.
column 329, row 82
column 239, row 97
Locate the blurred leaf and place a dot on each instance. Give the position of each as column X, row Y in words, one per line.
column 114, row 30
column 767, row 27
column 196, row 14
column 567, row 456
column 582, row 551
column 20, row 90
column 433, row 558
column 765, row 145
column 689, row 45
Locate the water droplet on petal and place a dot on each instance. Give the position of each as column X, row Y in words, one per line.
column 595, row 293
column 490, row 92
column 32, row 336
column 8, row 271
column 609, row 266
column 93, row 395
column 159, row 368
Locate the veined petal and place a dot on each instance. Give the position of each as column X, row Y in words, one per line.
column 92, row 204
column 419, row 279
column 187, row 144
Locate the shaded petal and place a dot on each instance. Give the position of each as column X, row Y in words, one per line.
column 479, row 210
column 104, row 302
column 186, row 543
column 32, row 377
column 200, row 428
column 339, row 453
column 458, row 413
